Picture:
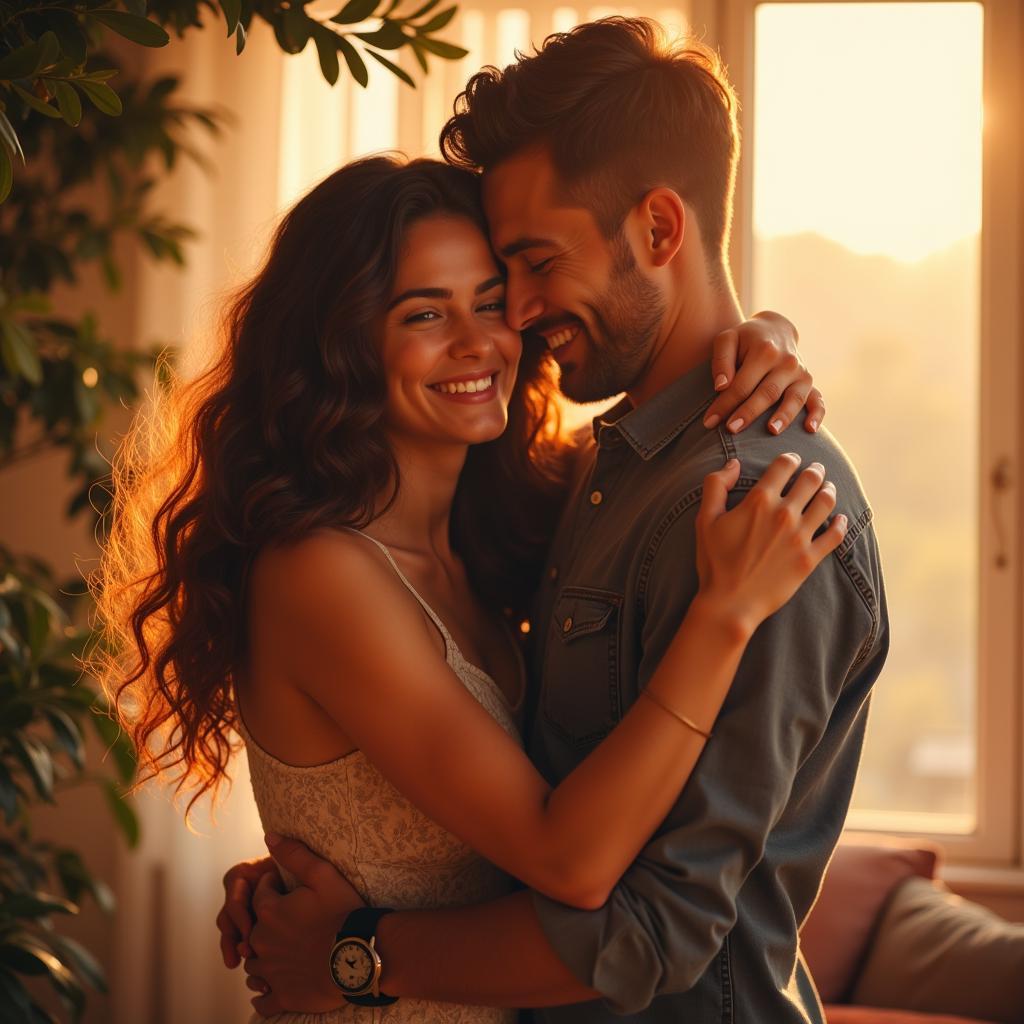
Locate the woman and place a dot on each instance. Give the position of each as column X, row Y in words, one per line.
column 318, row 554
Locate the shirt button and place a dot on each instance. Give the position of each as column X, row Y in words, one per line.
column 553, row 573
column 567, row 625
column 596, row 498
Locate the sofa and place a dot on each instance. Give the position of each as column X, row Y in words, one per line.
column 887, row 943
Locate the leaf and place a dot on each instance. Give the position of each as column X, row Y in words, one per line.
column 232, row 13
column 425, row 9
column 6, row 174
column 355, row 11
column 356, row 65
column 327, row 51
column 123, row 813
column 68, row 735
column 82, row 960
column 69, row 34
column 35, row 102
column 19, row 351
column 10, row 137
column 14, row 1001
column 68, row 102
column 296, row 28
column 388, row 37
column 132, row 26
column 49, row 50
column 393, row 68
column 239, row 39
column 22, row 62
column 420, row 56
column 103, row 97
column 37, row 762
column 437, row 23
column 446, row 50
column 36, row 904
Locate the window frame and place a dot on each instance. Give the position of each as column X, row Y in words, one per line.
column 997, row 841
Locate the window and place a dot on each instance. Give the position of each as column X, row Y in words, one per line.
column 872, row 212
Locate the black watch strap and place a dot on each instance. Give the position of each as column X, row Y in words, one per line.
column 362, row 923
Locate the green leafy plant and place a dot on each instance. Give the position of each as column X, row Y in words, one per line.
column 47, row 49
column 46, row 707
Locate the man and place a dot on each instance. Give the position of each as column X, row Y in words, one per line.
column 608, row 162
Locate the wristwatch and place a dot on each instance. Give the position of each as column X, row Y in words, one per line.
column 355, row 964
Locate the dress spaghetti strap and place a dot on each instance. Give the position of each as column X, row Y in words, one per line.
column 434, row 617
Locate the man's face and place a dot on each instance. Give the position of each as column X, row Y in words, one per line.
column 582, row 293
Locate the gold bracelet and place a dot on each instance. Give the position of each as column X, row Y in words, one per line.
column 688, row 722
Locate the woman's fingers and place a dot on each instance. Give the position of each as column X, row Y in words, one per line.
column 786, row 386
column 819, row 509
column 716, row 491
column 806, row 486
column 777, row 475
column 830, row 539
column 815, row 411
column 756, row 365
column 723, row 357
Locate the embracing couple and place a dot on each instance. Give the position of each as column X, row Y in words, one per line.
column 366, row 499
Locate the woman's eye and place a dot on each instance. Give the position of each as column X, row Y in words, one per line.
column 418, row 318
column 497, row 306
column 536, row 268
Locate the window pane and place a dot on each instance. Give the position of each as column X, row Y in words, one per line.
column 867, row 214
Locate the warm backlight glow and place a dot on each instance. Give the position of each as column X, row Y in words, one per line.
column 869, row 124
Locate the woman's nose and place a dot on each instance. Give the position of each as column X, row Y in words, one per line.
column 469, row 340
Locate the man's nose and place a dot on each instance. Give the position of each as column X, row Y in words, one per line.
column 523, row 302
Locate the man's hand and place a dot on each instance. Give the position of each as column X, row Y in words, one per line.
column 770, row 370
column 294, row 932
column 235, row 919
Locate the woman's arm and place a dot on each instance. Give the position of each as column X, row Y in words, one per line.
column 363, row 655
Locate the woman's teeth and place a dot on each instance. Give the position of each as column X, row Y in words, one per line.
column 562, row 337
column 465, row 386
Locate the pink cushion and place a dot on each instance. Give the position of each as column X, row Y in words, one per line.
column 863, row 871
column 869, row 1015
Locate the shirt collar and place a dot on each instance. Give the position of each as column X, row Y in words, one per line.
column 660, row 419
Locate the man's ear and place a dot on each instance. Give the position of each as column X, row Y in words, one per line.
column 662, row 216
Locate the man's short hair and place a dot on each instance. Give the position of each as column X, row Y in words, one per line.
column 621, row 110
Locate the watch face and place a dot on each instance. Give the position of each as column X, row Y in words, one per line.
column 352, row 965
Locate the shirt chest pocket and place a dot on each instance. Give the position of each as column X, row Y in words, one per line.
column 581, row 686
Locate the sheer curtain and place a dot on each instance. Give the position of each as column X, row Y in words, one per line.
column 291, row 129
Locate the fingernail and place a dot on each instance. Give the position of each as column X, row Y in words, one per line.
column 731, row 463
column 735, row 425
column 813, row 424
column 840, row 521
column 272, row 839
column 776, row 425
column 712, row 421
column 817, row 467
column 793, row 455
column 720, row 381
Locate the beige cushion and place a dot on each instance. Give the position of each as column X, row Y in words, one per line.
column 935, row 952
column 863, row 873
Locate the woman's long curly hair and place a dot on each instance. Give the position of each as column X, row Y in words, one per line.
column 284, row 435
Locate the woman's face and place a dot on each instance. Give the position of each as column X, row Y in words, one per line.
column 449, row 356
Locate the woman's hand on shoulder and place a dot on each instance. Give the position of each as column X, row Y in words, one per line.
column 757, row 365
column 753, row 558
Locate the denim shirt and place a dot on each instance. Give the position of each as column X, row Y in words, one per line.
column 703, row 927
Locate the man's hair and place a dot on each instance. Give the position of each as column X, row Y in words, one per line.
column 621, row 110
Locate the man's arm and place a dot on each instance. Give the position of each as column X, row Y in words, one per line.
column 799, row 698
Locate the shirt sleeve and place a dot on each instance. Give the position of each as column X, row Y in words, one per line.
column 666, row 919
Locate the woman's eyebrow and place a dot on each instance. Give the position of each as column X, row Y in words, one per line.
column 442, row 293
column 420, row 293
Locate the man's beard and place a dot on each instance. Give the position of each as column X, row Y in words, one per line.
column 627, row 318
